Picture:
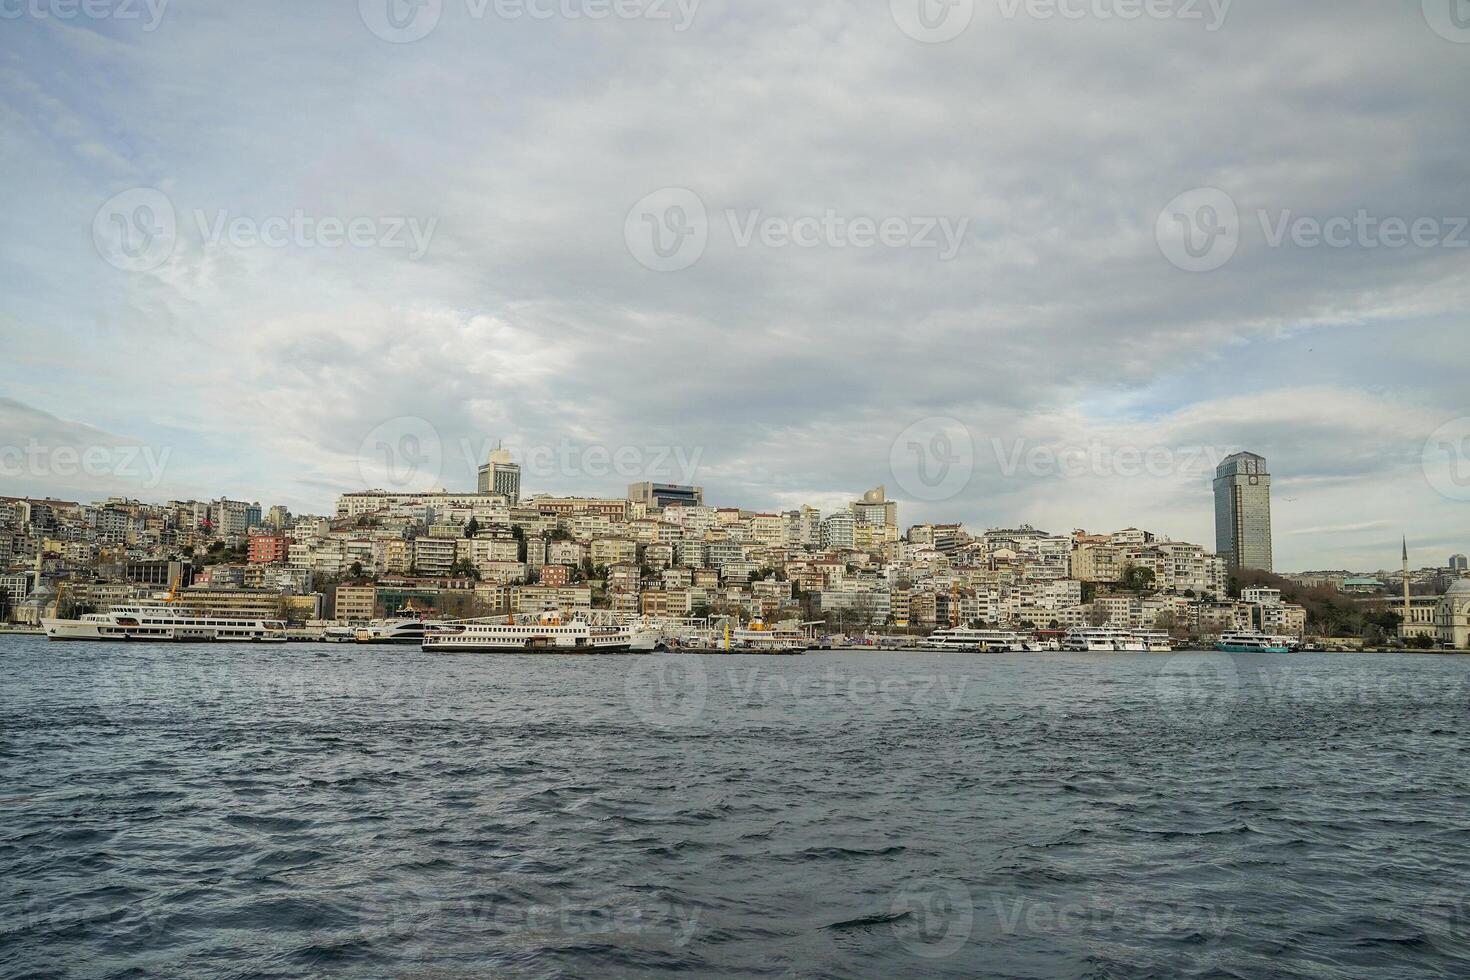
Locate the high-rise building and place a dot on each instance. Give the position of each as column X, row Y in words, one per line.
column 1243, row 511
column 875, row 508
column 666, row 495
column 1459, row 564
column 501, row 476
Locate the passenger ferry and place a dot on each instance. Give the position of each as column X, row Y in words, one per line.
column 1103, row 639
column 965, row 640
column 1252, row 642
column 1156, row 641
column 166, row 622
column 546, row 633
column 758, row 637
column 391, row 631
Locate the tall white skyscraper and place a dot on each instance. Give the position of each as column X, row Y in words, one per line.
column 501, row 476
column 1243, row 511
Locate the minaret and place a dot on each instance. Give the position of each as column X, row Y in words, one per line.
column 1404, row 630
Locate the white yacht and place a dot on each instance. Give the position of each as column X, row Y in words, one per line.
column 1156, row 641
column 403, row 631
column 546, row 633
column 967, row 640
column 1104, row 639
column 1253, row 642
column 165, row 621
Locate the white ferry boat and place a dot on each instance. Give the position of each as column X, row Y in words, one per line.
column 546, row 633
column 168, row 623
column 402, row 631
column 1156, row 641
column 1103, row 639
column 758, row 637
column 1252, row 642
column 966, row 640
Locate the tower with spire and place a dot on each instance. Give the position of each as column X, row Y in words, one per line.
column 1404, row 629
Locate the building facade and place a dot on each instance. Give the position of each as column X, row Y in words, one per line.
column 1243, row 512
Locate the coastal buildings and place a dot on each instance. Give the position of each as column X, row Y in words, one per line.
column 662, row 550
column 1243, row 511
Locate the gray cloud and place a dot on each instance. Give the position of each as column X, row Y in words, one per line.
column 790, row 370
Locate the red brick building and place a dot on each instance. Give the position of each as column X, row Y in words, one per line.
column 268, row 549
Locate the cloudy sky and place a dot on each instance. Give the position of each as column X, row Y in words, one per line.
column 1019, row 260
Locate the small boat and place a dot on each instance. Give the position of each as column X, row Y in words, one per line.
column 1253, row 642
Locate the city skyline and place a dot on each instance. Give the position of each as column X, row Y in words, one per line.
column 524, row 308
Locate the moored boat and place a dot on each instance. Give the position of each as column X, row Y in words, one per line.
column 1253, row 642
column 963, row 639
column 544, row 633
column 166, row 622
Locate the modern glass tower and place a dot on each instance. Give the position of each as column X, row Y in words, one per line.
column 1243, row 511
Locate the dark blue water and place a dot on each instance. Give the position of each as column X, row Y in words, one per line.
column 377, row 812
